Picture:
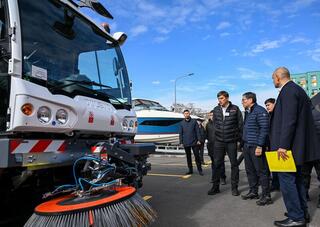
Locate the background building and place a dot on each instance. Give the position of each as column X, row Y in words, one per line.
column 309, row 81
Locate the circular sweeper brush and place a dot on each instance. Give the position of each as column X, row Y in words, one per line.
column 120, row 206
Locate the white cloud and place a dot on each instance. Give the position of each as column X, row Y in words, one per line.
column 160, row 39
column 138, row 30
column 266, row 45
column 259, row 84
column 223, row 25
column 300, row 40
column 156, row 82
column 267, row 62
column 224, row 34
column 314, row 54
column 234, row 52
column 206, row 37
column 225, row 78
column 297, row 5
column 249, row 74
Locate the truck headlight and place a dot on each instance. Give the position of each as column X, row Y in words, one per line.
column 44, row 114
column 62, row 116
column 125, row 124
column 131, row 125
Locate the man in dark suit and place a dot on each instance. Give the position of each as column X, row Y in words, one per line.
column 292, row 128
column 189, row 136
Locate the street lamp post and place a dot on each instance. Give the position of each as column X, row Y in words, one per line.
column 175, row 88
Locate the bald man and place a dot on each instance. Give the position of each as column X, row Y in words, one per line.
column 292, row 128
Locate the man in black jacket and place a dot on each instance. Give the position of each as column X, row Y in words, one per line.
column 275, row 186
column 189, row 136
column 255, row 133
column 228, row 124
column 211, row 137
column 202, row 140
column 292, row 128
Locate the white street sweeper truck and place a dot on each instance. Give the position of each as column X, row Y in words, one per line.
column 66, row 115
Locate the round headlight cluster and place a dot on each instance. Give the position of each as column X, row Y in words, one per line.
column 62, row 116
column 128, row 125
column 125, row 124
column 131, row 124
column 44, row 114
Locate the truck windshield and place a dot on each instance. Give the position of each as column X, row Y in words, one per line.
column 60, row 47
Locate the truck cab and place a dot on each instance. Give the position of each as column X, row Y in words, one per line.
column 64, row 89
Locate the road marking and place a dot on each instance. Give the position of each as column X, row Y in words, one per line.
column 186, row 176
column 169, row 175
column 178, row 164
column 168, row 164
column 147, row 197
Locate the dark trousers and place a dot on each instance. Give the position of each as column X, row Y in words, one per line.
column 257, row 170
column 306, row 172
column 240, row 158
column 293, row 193
column 201, row 150
column 220, row 149
column 210, row 147
column 275, row 181
column 195, row 150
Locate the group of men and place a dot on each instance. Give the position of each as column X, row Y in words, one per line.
column 285, row 125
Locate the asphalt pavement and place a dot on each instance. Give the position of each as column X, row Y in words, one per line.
column 182, row 200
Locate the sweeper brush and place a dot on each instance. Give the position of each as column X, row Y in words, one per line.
column 97, row 199
column 119, row 207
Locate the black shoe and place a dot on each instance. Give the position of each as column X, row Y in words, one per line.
column 189, row 172
column 235, row 192
column 264, row 200
column 201, row 173
column 290, row 223
column 250, row 195
column 213, row 191
column 306, row 216
column 223, row 181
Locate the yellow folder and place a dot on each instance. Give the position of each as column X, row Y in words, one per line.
column 279, row 165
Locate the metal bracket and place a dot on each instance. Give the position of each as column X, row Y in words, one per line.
column 12, row 32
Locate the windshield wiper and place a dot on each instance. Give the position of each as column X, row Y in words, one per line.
column 81, row 82
column 86, row 82
column 91, row 83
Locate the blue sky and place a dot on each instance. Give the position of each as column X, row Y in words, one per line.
column 232, row 45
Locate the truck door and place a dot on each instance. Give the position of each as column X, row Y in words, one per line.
column 5, row 55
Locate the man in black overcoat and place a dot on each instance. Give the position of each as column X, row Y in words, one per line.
column 189, row 137
column 292, row 128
